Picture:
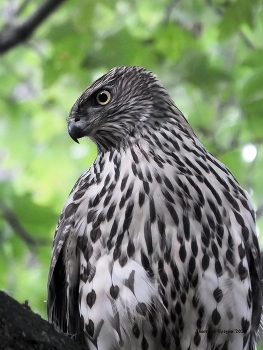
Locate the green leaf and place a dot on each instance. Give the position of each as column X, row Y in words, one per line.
column 236, row 14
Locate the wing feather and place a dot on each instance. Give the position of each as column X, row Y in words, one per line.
column 63, row 280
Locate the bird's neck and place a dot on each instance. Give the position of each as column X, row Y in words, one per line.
column 159, row 133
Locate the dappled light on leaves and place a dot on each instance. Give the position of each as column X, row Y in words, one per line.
column 249, row 153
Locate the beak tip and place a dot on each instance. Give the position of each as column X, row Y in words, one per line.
column 73, row 131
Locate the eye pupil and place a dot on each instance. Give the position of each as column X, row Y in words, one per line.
column 103, row 97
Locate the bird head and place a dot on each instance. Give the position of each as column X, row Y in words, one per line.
column 115, row 110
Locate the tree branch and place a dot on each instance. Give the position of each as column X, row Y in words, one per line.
column 18, row 34
column 14, row 222
column 23, row 329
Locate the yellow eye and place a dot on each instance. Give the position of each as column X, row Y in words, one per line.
column 103, row 97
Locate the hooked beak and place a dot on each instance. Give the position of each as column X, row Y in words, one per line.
column 76, row 130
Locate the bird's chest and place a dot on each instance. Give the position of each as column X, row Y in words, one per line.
column 122, row 208
column 144, row 225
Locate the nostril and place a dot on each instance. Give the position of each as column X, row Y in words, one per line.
column 77, row 119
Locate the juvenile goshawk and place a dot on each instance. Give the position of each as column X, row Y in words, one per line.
column 156, row 245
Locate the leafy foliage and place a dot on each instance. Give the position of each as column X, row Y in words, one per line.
column 207, row 53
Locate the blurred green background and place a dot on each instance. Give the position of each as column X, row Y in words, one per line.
column 209, row 56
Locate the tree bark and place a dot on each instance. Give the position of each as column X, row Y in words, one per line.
column 22, row 329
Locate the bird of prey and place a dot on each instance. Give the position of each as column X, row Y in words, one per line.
column 156, row 245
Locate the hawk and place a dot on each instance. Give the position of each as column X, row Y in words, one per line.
column 156, row 246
